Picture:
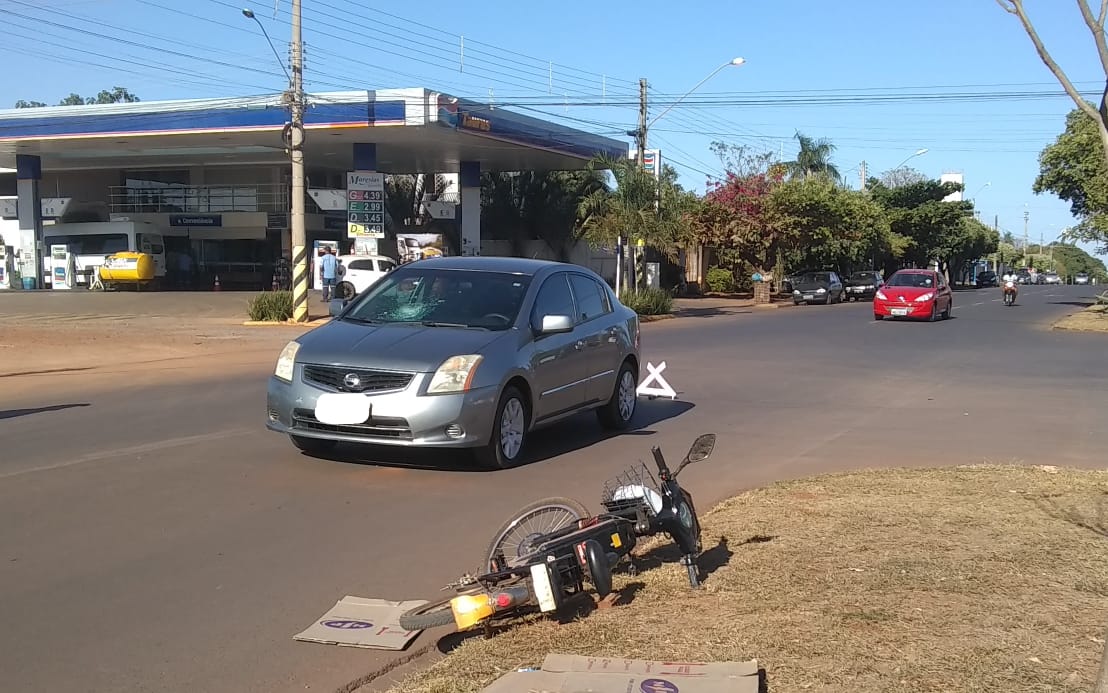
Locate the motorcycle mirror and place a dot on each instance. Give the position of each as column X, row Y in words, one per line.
column 702, row 448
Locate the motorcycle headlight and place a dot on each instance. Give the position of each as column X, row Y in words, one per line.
column 926, row 297
column 286, row 362
column 455, row 374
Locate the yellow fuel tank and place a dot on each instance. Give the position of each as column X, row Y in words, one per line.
column 128, row 266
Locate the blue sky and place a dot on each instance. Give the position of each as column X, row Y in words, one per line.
column 581, row 60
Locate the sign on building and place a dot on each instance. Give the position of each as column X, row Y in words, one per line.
column 365, row 204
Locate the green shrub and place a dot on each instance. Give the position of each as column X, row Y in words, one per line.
column 720, row 280
column 649, row 301
column 271, row 306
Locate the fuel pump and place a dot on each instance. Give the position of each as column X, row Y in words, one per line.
column 62, row 269
column 7, row 265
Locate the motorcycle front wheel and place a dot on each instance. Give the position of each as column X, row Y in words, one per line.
column 516, row 537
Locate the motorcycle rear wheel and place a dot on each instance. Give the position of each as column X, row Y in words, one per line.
column 432, row 614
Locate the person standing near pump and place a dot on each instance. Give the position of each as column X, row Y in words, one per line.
column 328, row 267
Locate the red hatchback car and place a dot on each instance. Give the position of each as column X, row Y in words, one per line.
column 914, row 293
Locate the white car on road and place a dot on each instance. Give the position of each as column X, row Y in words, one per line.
column 361, row 272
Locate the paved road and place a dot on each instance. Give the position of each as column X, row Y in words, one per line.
column 158, row 538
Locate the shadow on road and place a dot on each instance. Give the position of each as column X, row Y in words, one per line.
column 16, row 413
column 575, row 433
column 1079, row 304
column 710, row 312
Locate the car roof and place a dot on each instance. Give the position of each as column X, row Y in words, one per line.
column 495, row 263
column 366, row 257
column 914, row 271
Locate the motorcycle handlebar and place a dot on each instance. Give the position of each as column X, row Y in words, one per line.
column 660, row 460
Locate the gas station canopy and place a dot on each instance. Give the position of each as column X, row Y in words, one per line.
column 415, row 131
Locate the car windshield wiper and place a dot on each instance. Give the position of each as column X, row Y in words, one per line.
column 362, row 321
column 432, row 323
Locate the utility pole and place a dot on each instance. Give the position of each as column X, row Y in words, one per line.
column 640, row 146
column 296, row 155
column 996, row 229
column 1026, row 244
column 863, row 172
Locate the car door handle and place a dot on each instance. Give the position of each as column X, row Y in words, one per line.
column 579, row 345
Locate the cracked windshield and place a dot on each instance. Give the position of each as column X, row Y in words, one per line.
column 489, row 300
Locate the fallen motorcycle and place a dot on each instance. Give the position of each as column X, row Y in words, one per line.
column 549, row 565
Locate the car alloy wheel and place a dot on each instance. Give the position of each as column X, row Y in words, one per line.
column 617, row 412
column 512, row 422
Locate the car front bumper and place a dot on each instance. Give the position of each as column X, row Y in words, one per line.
column 399, row 418
column 860, row 292
column 896, row 309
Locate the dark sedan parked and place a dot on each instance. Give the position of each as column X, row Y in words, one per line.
column 863, row 285
column 818, row 287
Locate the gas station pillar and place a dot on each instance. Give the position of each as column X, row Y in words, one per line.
column 469, row 180
column 28, row 173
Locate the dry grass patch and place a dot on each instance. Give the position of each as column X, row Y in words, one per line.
column 1092, row 319
column 971, row 578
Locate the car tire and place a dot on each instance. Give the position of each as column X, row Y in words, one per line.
column 878, row 317
column 345, row 290
column 934, row 312
column 617, row 413
column 509, row 429
column 948, row 311
column 313, row 446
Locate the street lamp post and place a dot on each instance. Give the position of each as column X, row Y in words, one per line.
column 640, row 135
column 918, row 152
column 294, row 144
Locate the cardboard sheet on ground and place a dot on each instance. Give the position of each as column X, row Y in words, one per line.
column 361, row 622
column 571, row 674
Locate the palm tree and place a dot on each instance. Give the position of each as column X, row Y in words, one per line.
column 813, row 159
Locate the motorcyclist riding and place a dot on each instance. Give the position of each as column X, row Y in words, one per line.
column 1010, row 286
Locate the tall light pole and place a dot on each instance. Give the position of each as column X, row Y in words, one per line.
column 294, row 144
column 640, row 135
column 918, row 152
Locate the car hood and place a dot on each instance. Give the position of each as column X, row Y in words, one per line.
column 910, row 293
column 393, row 347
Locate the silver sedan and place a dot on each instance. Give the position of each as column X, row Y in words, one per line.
column 461, row 352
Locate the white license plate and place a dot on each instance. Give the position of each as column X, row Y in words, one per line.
column 342, row 408
column 808, row 297
column 899, row 311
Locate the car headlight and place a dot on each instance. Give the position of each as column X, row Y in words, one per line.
column 287, row 361
column 926, row 297
column 881, row 295
column 455, row 374
column 821, row 290
column 796, row 291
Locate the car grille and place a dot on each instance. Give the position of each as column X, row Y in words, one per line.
column 335, row 378
column 376, row 427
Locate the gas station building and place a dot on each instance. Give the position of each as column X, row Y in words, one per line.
column 213, row 175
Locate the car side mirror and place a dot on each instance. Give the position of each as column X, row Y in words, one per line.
column 336, row 306
column 556, row 324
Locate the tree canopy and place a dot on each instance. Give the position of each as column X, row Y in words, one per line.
column 115, row 95
column 1073, row 168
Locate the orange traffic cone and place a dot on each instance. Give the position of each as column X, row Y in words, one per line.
column 217, row 287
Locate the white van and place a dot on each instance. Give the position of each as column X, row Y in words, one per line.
column 90, row 242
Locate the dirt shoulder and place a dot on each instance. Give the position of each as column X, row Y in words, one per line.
column 970, row 578
column 1092, row 319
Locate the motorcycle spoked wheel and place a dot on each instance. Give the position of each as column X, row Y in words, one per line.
column 570, row 509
